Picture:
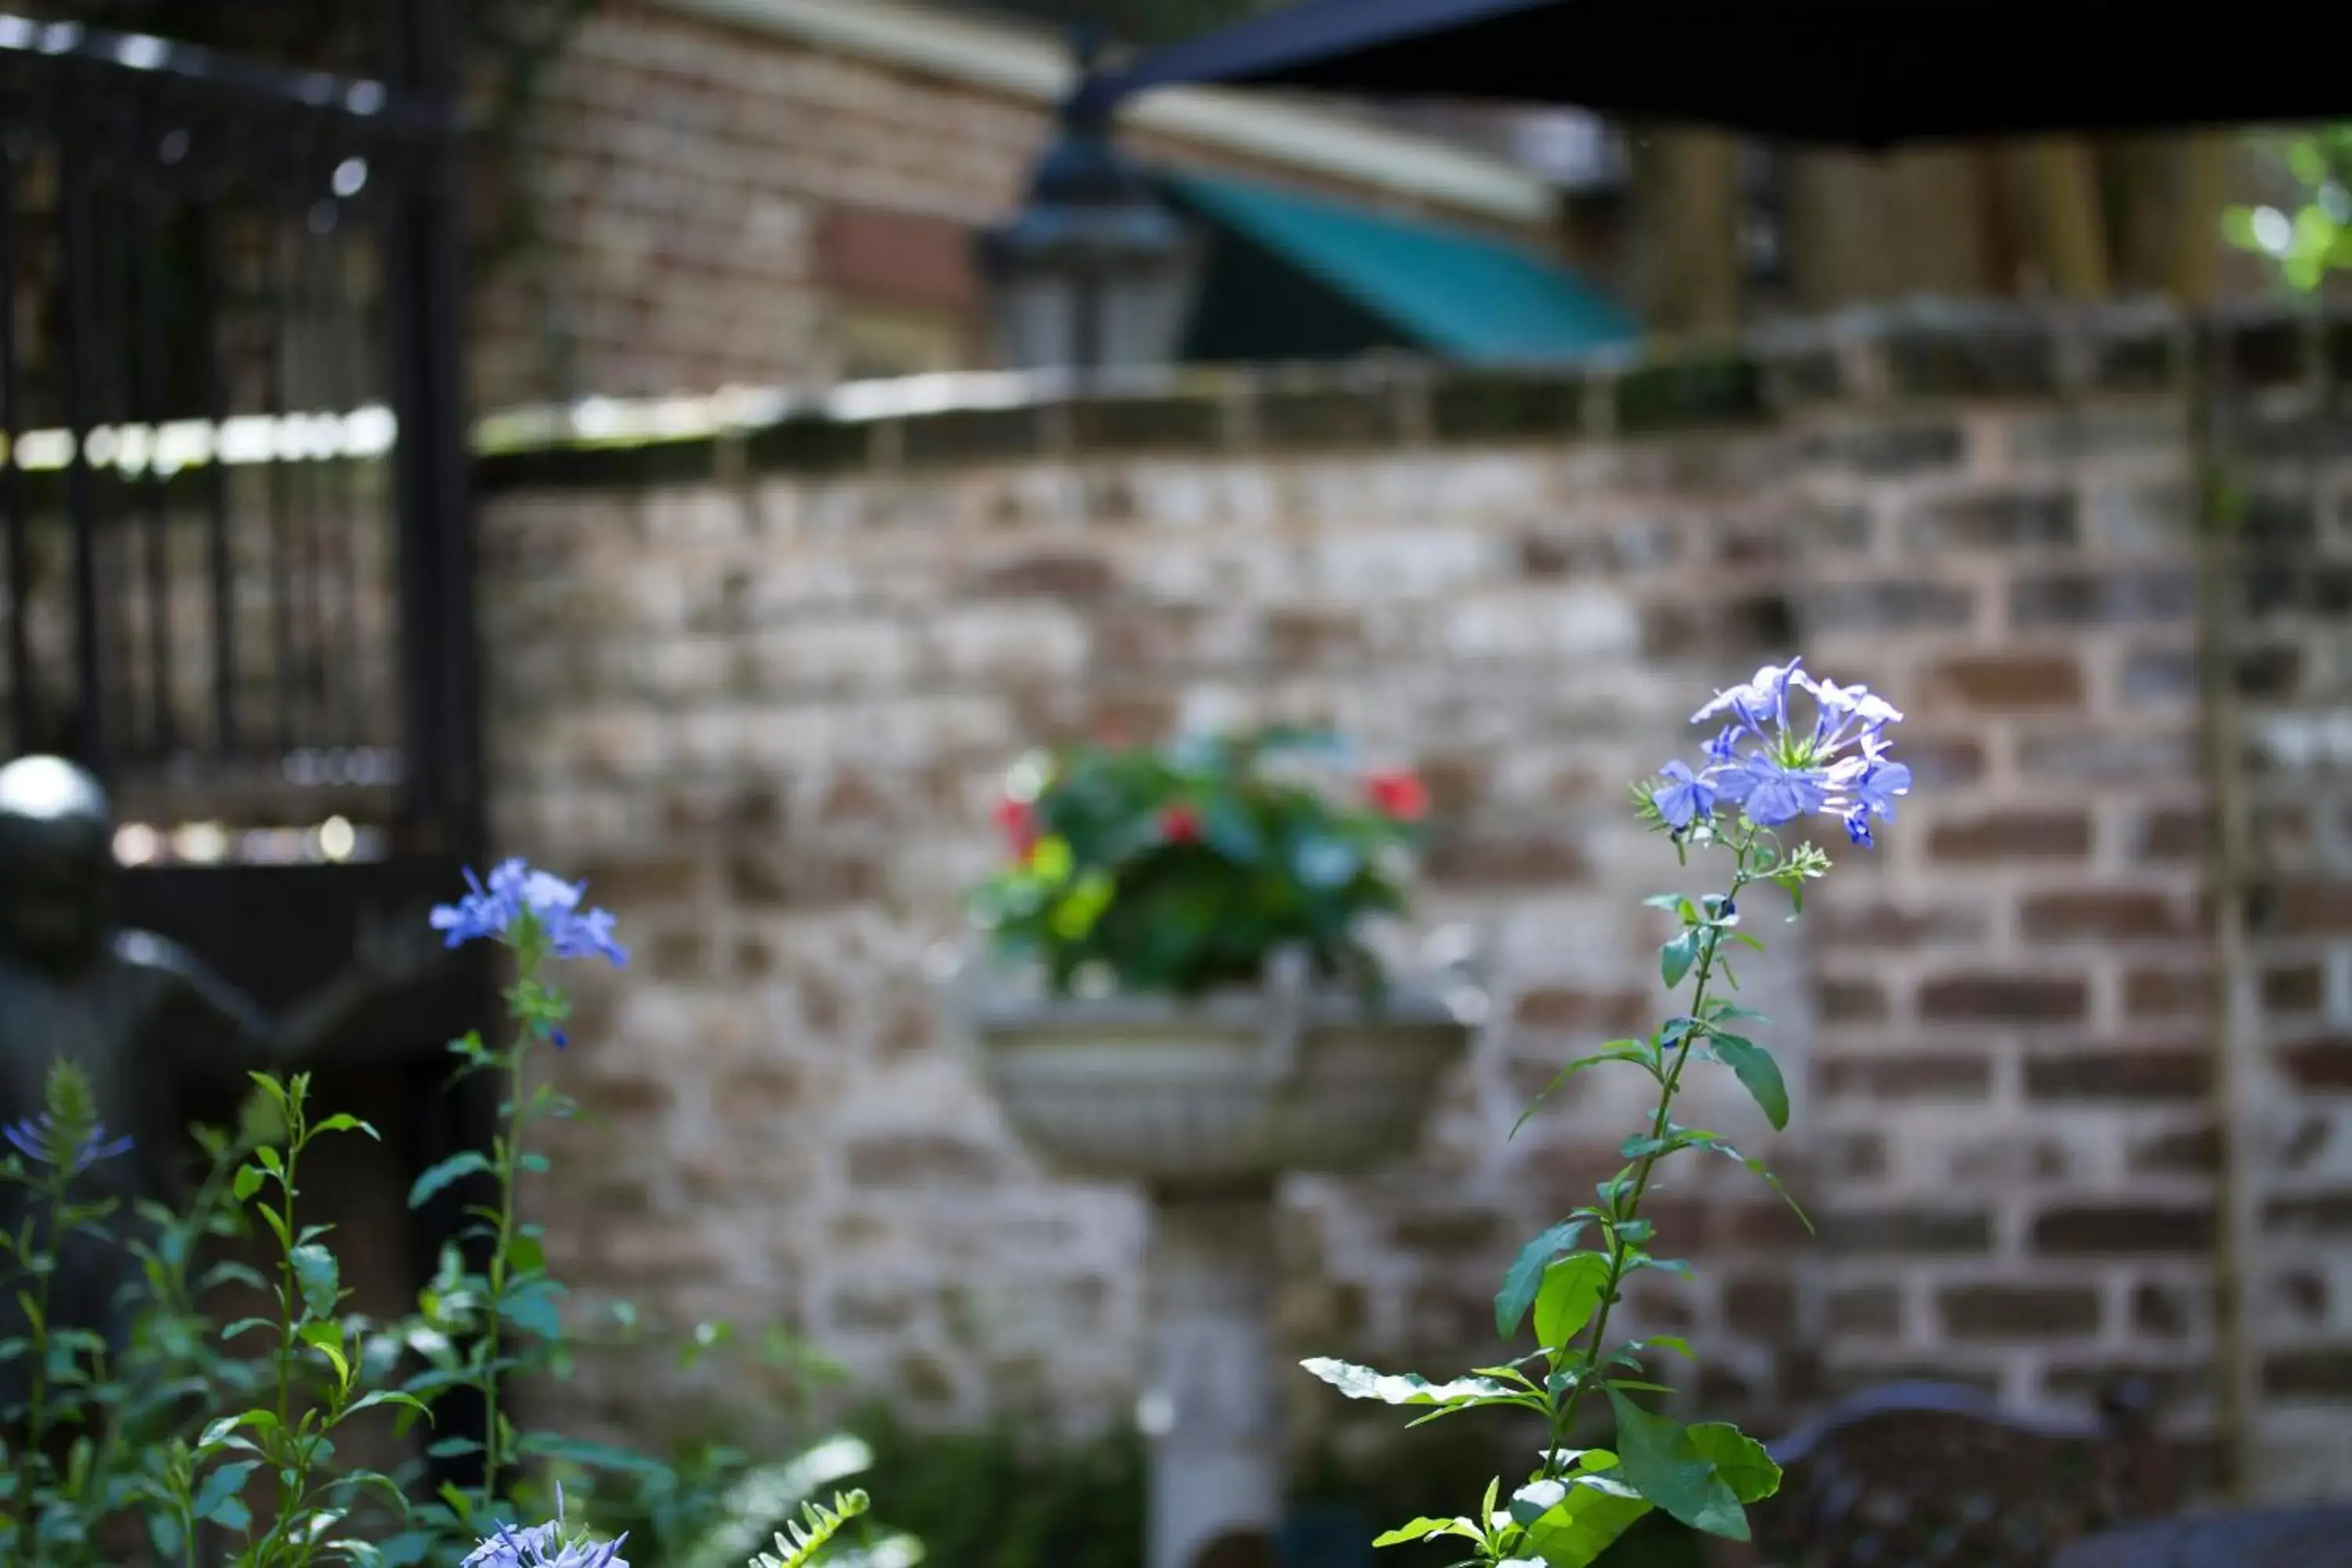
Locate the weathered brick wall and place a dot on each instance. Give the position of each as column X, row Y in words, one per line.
column 767, row 715
column 2283, row 866
column 680, row 175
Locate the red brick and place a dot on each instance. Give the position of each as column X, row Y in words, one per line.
column 2317, row 1064
column 2020, row 1311
column 2008, row 682
column 2308, row 1374
column 2314, row 909
column 2181, row 1150
column 1050, row 575
column 1908, row 1074
column 2322, row 1214
column 1840, row 925
column 1906, row 1230
column 2012, row 836
column 2168, row 1311
column 2102, row 1074
column 1463, row 861
column 1865, row 1309
column 2002, row 998
column 1760, row 1305
column 2175, row 993
column 2102, row 1230
column 2175, row 835
column 1604, row 1012
column 1851, row 1001
column 2295, row 989
column 2103, row 916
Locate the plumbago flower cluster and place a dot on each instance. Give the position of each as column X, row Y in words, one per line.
column 1766, row 767
column 218, row 1457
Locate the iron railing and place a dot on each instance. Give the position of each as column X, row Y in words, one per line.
column 230, row 396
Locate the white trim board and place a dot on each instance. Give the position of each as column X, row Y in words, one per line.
column 1033, row 65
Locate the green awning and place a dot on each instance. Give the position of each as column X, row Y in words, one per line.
column 1443, row 291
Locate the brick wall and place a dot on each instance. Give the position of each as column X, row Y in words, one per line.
column 688, row 185
column 766, row 716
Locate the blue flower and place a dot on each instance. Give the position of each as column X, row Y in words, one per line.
column 516, row 890
column 1776, row 771
column 1773, row 792
column 1870, row 781
column 542, row 1546
column 41, row 1139
column 1684, row 797
column 1764, row 697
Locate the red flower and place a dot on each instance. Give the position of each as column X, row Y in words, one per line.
column 1180, row 825
column 1018, row 822
column 1399, row 794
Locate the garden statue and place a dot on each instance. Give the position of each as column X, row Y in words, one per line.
column 159, row 1037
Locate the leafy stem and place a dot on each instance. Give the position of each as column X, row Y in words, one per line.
column 508, row 1151
column 1656, row 1147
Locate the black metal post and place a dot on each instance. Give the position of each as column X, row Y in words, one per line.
column 12, row 486
column 441, row 789
column 81, row 502
column 147, row 374
column 221, row 584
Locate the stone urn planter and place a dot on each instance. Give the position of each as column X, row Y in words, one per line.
column 1207, row 1104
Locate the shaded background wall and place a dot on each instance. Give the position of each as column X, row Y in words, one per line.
column 766, row 715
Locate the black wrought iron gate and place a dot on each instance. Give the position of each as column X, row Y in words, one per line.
column 235, row 549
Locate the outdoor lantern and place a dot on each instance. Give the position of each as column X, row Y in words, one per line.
column 1095, row 270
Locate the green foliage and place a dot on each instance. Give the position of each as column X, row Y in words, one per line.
column 2314, row 239
column 227, row 1444
column 996, row 1499
column 1580, row 1502
column 1181, row 869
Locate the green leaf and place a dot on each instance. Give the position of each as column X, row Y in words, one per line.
column 1759, row 1073
column 1571, row 1291
column 1422, row 1529
column 1525, row 1276
column 390, row 1397
column 527, row 1255
column 1585, row 1522
column 1738, row 1458
column 342, row 1122
column 532, row 1308
column 1659, row 1459
column 1701, row 1139
column 314, row 1270
column 220, row 1488
column 447, row 1171
column 248, row 1181
column 327, row 1338
column 1675, row 958
column 1616, row 1051
column 1405, row 1387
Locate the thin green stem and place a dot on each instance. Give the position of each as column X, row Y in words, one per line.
column 293, row 1469
column 36, row 1412
column 509, row 1151
column 1629, row 1208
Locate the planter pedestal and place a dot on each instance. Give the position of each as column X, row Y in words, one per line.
column 1214, row 1380
column 1207, row 1104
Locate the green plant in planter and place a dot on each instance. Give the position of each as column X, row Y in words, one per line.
column 1180, row 869
column 1765, row 769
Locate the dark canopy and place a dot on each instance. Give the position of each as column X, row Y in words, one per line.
column 1865, row 73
